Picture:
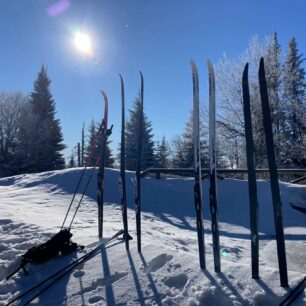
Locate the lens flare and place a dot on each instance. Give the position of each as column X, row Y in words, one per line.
column 82, row 42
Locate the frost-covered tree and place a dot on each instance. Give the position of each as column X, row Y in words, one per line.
column 12, row 107
column 230, row 117
column 183, row 146
column 131, row 138
column 41, row 136
column 72, row 163
column 162, row 154
column 274, row 78
column 295, row 106
column 178, row 153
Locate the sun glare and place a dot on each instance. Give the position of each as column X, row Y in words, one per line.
column 82, row 42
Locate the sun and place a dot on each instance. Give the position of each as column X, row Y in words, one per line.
column 82, row 42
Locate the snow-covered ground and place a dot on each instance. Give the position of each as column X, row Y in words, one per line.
column 32, row 208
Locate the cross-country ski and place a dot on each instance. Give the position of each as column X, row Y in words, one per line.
column 213, row 168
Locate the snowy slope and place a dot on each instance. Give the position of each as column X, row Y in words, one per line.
column 167, row 272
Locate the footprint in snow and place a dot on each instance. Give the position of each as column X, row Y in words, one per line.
column 95, row 299
column 157, row 263
column 109, row 279
column 78, row 274
column 5, row 221
column 176, row 281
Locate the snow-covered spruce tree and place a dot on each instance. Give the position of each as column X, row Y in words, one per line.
column 91, row 150
column 42, row 139
column 72, row 163
column 295, row 107
column 162, row 154
column 131, row 137
column 93, row 147
column 178, row 153
column 183, row 146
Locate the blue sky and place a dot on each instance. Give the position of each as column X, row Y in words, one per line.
column 157, row 37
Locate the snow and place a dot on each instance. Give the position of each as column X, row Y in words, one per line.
column 167, row 272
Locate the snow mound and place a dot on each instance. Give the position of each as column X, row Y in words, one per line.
column 167, row 271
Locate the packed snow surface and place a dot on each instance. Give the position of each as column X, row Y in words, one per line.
column 167, row 271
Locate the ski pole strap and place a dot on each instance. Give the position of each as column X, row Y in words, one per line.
column 81, row 199
column 89, row 159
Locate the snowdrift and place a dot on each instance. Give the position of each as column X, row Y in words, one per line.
column 167, row 273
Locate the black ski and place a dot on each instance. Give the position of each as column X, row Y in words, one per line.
column 122, row 184
column 294, row 293
column 212, row 168
column 197, row 164
column 105, row 133
column 277, row 204
column 62, row 272
column 138, row 167
column 254, row 215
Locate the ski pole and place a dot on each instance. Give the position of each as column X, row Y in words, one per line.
column 65, row 271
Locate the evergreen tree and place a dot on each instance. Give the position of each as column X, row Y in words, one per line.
column 294, row 99
column 183, row 152
column 131, row 138
column 93, row 148
column 162, row 154
column 178, row 160
column 71, row 161
column 91, row 151
column 41, row 136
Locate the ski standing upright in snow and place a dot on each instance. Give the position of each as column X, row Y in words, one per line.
column 294, row 293
column 104, row 135
column 212, row 168
column 197, row 164
column 138, row 167
column 122, row 184
column 277, row 204
column 251, row 174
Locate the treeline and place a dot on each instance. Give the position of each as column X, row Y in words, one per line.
column 30, row 136
column 286, row 86
column 31, row 139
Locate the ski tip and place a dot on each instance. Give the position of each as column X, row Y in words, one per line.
column 104, row 95
column 245, row 71
column 261, row 65
column 210, row 65
column 141, row 75
column 193, row 66
column 121, row 82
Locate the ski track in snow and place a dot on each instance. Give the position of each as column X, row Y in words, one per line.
column 167, row 272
